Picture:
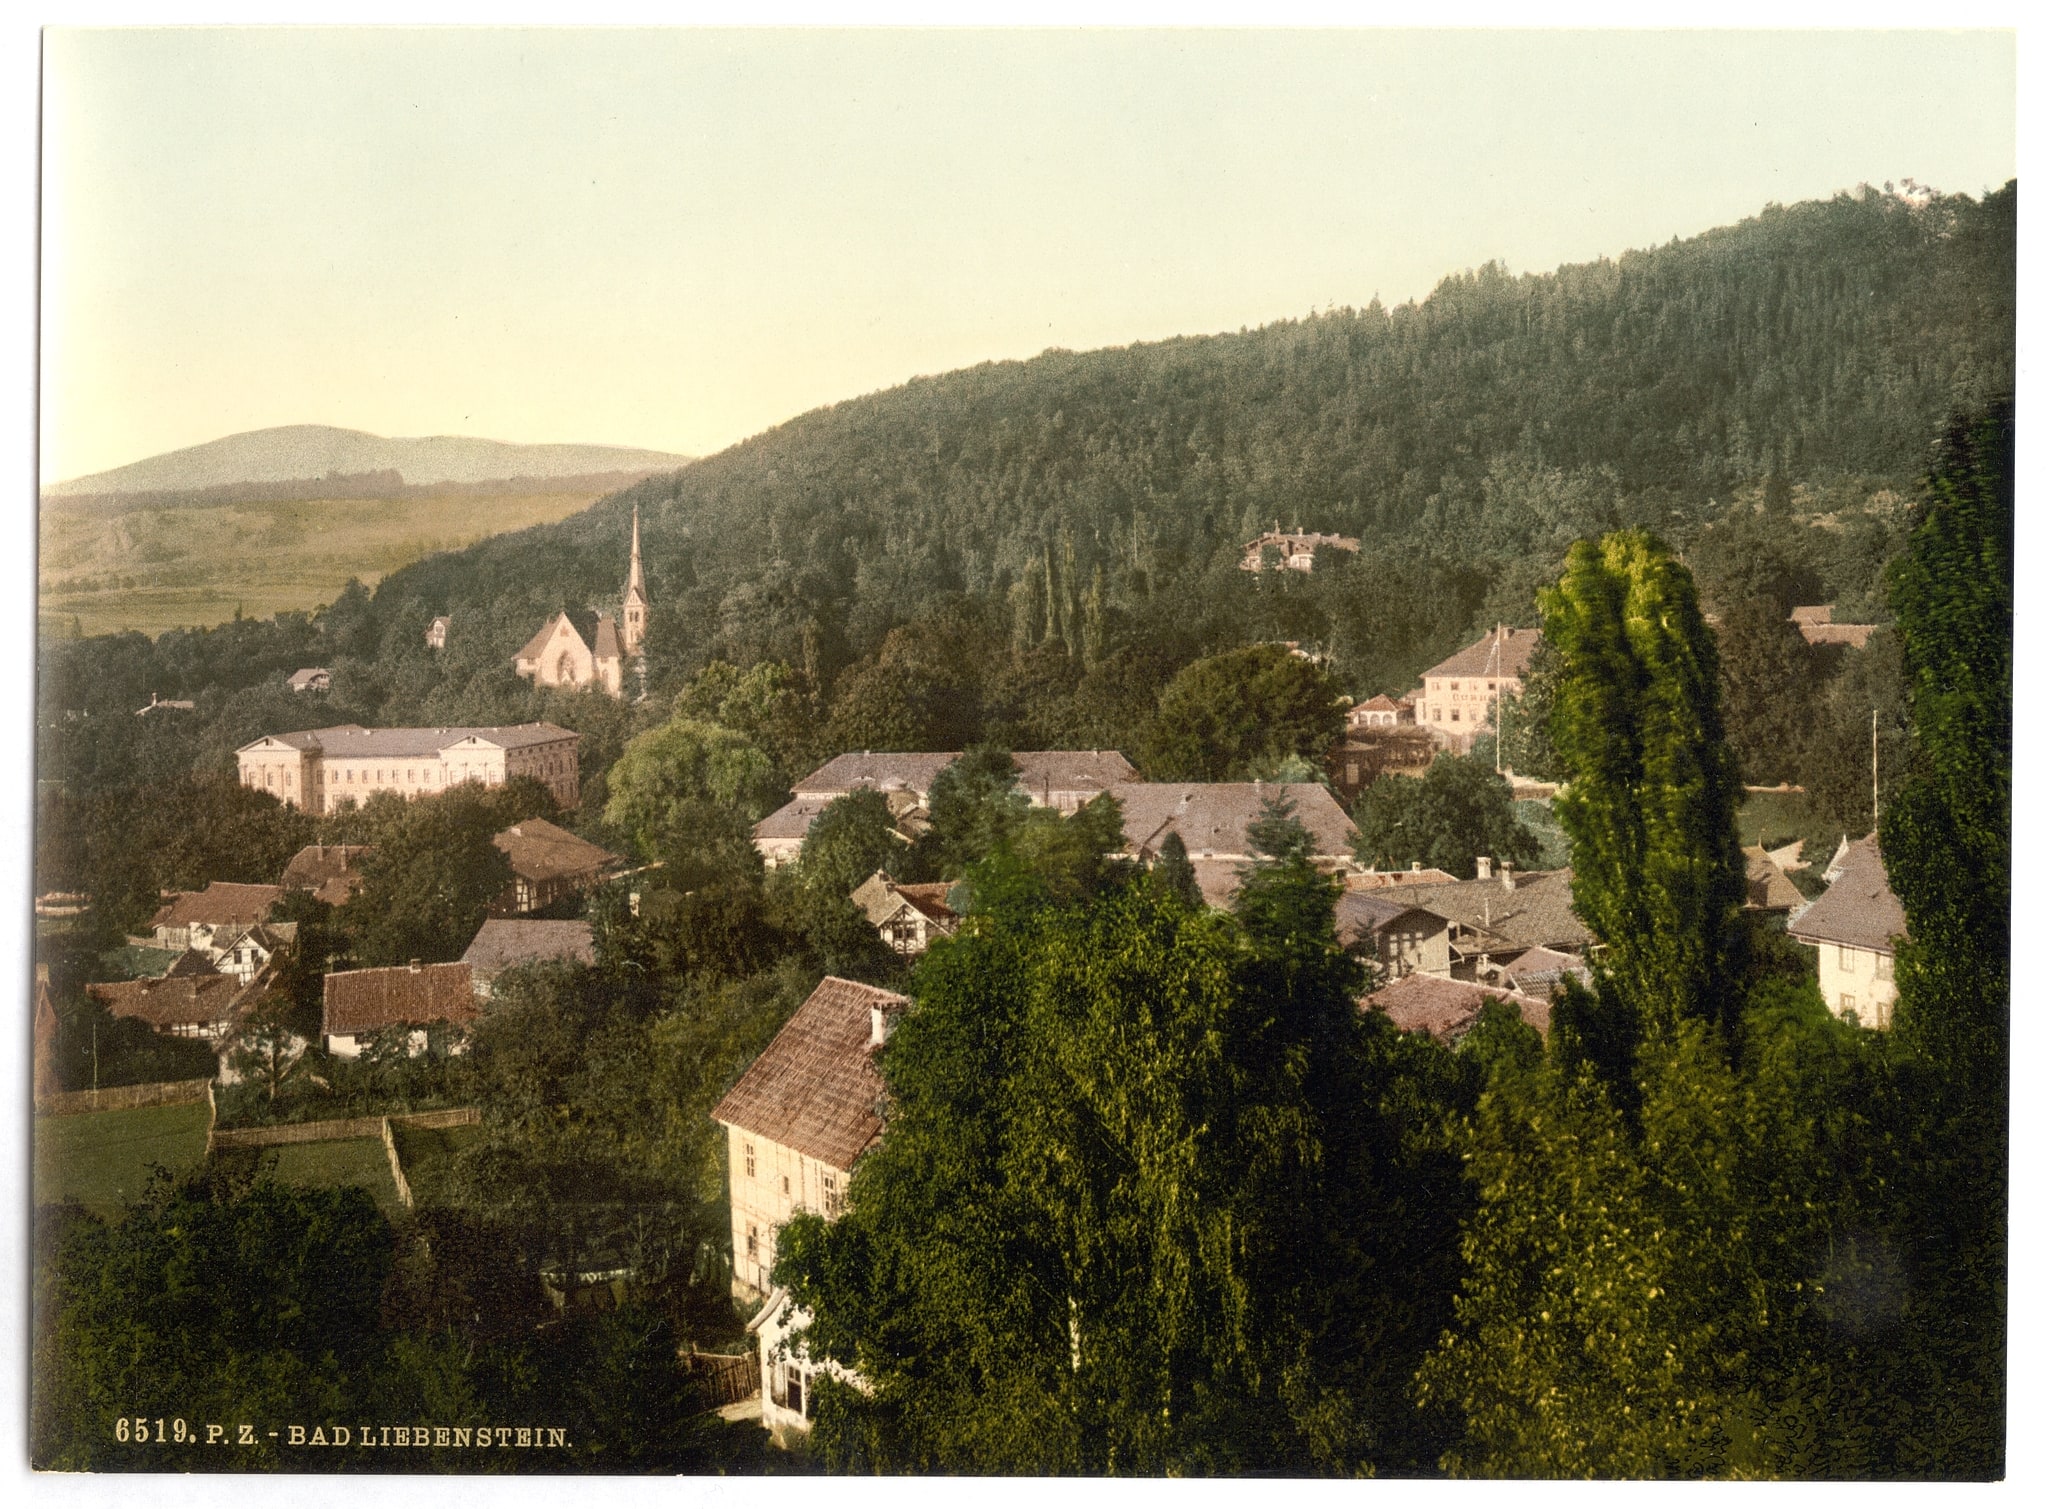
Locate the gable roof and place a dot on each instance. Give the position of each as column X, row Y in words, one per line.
column 1534, row 908
column 185, row 1001
column 356, row 1001
column 1039, row 770
column 1447, row 1009
column 298, row 681
column 815, row 1087
column 1362, row 912
column 329, row 871
column 605, row 642
column 881, row 898
column 1212, row 817
column 1858, row 909
column 1766, row 887
column 222, row 904
column 792, row 820
column 504, row 942
column 534, row 648
column 190, row 963
column 541, row 851
column 1505, row 652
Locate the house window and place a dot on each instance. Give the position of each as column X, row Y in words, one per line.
column 793, row 1389
column 1847, row 1006
column 747, row 1150
column 832, row 1191
column 786, row 1185
column 1846, row 956
column 754, row 1241
column 1882, row 967
column 1455, row 715
column 1454, row 687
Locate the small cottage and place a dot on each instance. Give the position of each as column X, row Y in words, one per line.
column 358, row 1004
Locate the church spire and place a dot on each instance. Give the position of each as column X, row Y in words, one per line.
column 633, row 605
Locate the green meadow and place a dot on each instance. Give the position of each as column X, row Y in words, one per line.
column 102, row 1159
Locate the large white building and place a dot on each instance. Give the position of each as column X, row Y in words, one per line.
column 1460, row 695
column 1853, row 927
column 322, row 769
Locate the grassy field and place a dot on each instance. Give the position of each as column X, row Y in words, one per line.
column 131, row 963
column 102, row 1159
column 427, row 1154
column 153, row 569
column 319, row 1165
column 1780, row 817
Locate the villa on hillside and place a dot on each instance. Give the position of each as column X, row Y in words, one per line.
column 1460, row 695
column 1853, row 928
column 1293, row 549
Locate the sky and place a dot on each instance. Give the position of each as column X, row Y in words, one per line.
column 679, row 239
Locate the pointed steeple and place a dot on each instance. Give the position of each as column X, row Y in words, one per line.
column 633, row 603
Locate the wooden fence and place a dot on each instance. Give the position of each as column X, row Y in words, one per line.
column 719, row 1379
column 338, row 1131
column 176, row 1092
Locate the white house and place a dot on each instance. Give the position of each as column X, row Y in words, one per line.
column 907, row 917
column 1853, row 927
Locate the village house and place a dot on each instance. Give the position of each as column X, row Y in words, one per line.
column 437, row 633
column 1460, row 695
column 321, row 770
column 504, row 943
column 332, row 872
column 204, row 1006
column 1380, row 711
column 196, row 919
column 548, row 864
column 796, row 1121
column 312, row 679
column 1293, row 549
column 249, row 953
column 1062, row 779
column 1853, row 927
column 1403, row 937
column 907, row 917
column 359, row 1004
column 1766, row 887
column 1817, row 627
column 1448, row 1009
column 558, row 657
column 1502, row 913
column 1212, row 819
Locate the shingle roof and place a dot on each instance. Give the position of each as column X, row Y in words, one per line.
column 815, row 1087
column 541, row 851
column 1482, row 658
column 1766, row 887
column 1212, row 817
column 221, row 904
column 330, row 871
column 1360, row 913
column 605, row 642
column 1536, row 971
column 187, row 1000
column 1536, row 908
column 1447, row 1009
column 356, row 1001
column 355, row 741
column 879, row 897
column 503, row 943
column 792, row 820
column 1859, row 908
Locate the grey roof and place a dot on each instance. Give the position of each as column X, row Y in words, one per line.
column 1212, row 817
column 1504, row 652
column 1535, row 907
column 539, row 850
column 1859, row 909
column 792, row 820
column 300, row 680
column 352, row 739
column 1766, row 887
column 502, row 943
column 1537, row 971
column 1039, row 770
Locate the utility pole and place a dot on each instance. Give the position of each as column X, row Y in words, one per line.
column 96, row 1058
column 1875, row 770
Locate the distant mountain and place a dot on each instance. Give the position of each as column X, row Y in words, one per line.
column 296, row 452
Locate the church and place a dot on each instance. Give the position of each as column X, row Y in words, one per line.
column 558, row 656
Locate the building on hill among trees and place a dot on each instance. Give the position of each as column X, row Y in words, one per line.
column 1213, row 819
column 504, row 943
column 195, row 919
column 437, row 633
column 907, row 917
column 1460, row 695
column 1380, row 711
column 321, row 769
column 1818, row 626
column 1501, row 914
column 1294, row 550
column 549, row 863
column 359, row 1004
column 558, row 657
column 313, row 678
column 1405, row 938
column 1853, row 926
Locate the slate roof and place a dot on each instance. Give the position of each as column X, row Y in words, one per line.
column 1536, row 908
column 1859, row 908
column 539, row 850
column 1766, row 887
column 815, row 1087
column 1212, row 817
column 504, row 942
column 187, row 1000
column 221, row 904
column 330, row 871
column 1447, row 1009
column 605, row 644
column 355, row 741
column 357, row 1001
column 1480, row 658
column 792, row 820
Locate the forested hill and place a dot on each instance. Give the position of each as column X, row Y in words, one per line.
column 1077, row 518
column 1819, row 343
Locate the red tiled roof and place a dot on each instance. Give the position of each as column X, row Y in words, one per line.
column 815, row 1087
column 330, row 871
column 541, row 851
column 1447, row 1009
column 356, row 1001
column 221, row 903
column 184, row 1000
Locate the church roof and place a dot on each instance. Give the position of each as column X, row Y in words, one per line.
column 607, row 637
column 534, row 647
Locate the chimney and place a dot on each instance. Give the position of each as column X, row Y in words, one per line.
column 1484, row 867
column 881, row 1022
column 1416, row 867
column 413, row 965
column 1508, row 876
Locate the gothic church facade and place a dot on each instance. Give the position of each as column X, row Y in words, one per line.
column 558, row 656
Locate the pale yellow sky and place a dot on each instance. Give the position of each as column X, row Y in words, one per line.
column 677, row 239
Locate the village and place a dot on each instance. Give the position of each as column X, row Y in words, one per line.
column 1441, row 947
